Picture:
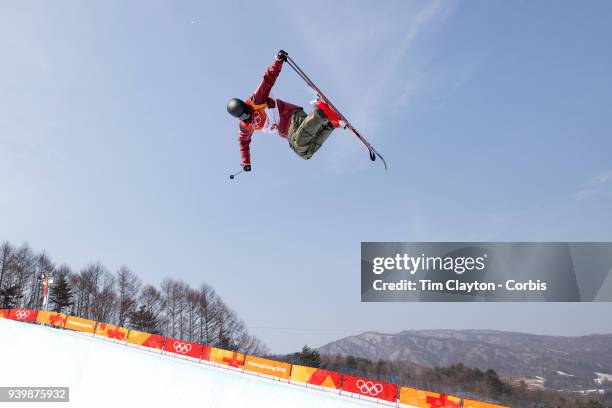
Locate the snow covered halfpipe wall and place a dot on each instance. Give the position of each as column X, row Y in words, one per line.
column 93, row 360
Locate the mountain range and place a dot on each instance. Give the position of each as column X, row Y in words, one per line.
column 556, row 362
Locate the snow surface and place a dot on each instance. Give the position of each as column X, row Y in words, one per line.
column 602, row 378
column 100, row 372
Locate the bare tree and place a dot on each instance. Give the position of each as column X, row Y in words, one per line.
column 80, row 300
column 177, row 310
column 23, row 269
column 148, row 316
column 231, row 329
column 209, row 314
column 86, row 285
column 128, row 286
column 6, row 253
column 94, row 293
column 7, row 288
column 105, row 299
column 152, row 299
column 174, row 293
column 192, row 315
column 251, row 345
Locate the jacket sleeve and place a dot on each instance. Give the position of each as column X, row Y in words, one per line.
column 244, row 139
column 265, row 86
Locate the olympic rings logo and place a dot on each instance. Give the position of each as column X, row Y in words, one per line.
column 22, row 314
column 182, row 348
column 369, row 387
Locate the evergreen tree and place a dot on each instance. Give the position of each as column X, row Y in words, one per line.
column 225, row 342
column 144, row 320
column 9, row 297
column 308, row 357
column 495, row 385
column 61, row 294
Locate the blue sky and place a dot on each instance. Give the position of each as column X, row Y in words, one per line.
column 495, row 118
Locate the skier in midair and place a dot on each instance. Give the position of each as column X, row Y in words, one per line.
column 305, row 132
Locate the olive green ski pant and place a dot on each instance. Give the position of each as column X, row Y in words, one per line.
column 307, row 133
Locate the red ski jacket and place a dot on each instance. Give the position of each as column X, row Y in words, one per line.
column 269, row 115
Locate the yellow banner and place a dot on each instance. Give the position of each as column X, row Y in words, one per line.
column 52, row 318
column 111, row 331
column 316, row 376
column 145, row 339
column 479, row 404
column 78, row 324
column 428, row 399
column 269, row 367
column 230, row 358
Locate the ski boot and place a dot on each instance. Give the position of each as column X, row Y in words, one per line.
column 334, row 118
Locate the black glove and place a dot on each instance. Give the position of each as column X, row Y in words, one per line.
column 282, row 55
column 246, row 167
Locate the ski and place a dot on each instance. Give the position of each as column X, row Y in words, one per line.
column 371, row 150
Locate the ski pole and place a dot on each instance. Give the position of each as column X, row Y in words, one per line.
column 233, row 176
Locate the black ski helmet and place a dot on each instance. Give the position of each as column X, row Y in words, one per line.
column 239, row 109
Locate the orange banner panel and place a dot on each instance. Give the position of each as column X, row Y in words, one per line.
column 79, row 324
column 479, row 404
column 52, row 318
column 4, row 313
column 315, row 376
column 146, row 339
column 428, row 399
column 269, row 367
column 111, row 331
column 220, row 356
